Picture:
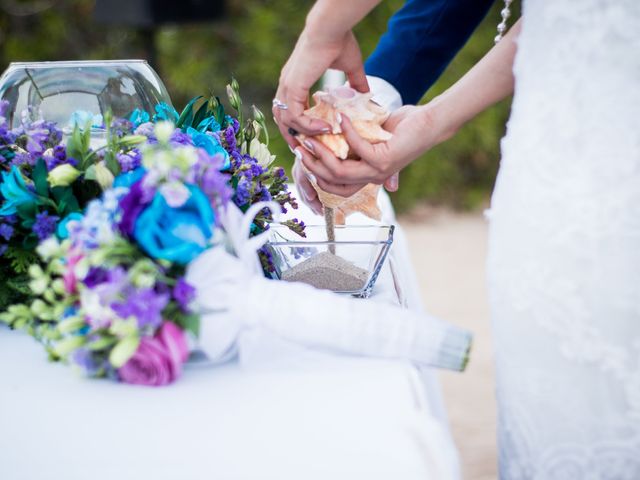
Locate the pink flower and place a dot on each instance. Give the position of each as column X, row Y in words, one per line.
column 69, row 277
column 158, row 360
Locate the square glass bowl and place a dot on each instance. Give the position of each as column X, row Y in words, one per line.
column 350, row 264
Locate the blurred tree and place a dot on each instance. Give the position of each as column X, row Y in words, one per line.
column 252, row 43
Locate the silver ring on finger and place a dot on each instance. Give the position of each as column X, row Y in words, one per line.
column 279, row 105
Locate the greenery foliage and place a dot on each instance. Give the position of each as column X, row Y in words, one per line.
column 252, row 43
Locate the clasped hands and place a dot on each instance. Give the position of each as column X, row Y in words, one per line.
column 412, row 127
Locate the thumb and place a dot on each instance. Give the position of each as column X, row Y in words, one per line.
column 392, row 183
column 356, row 143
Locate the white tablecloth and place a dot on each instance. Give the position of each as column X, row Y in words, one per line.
column 283, row 413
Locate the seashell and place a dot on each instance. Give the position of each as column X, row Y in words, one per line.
column 367, row 118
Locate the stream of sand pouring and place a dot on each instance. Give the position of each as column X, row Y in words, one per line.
column 329, row 219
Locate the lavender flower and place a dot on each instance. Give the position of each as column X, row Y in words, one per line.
column 45, row 225
column 57, row 156
column 6, row 231
column 130, row 160
column 121, row 127
column 145, row 305
column 184, row 293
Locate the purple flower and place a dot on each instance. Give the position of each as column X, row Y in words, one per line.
column 58, row 157
column 158, row 360
column 45, row 225
column 230, row 139
column 96, row 276
column 130, row 161
column 6, row 231
column 216, row 184
column 4, row 106
column 146, row 129
column 121, row 127
column 145, row 305
column 179, row 138
column 84, row 358
column 184, row 293
column 243, row 192
column 3, row 249
column 132, row 205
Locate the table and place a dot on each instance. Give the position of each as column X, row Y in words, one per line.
column 284, row 413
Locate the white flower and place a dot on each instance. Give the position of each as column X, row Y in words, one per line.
column 63, row 175
column 104, row 176
column 48, row 248
column 163, row 131
column 261, row 153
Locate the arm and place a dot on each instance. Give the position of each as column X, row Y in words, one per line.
column 430, row 33
column 417, row 129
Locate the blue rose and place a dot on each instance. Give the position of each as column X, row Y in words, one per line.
column 165, row 112
column 176, row 234
column 209, row 144
column 129, row 178
column 209, row 123
column 15, row 192
column 62, row 231
column 138, row 117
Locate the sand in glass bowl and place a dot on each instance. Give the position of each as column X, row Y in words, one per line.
column 349, row 263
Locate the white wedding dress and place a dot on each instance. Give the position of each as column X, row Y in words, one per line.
column 564, row 260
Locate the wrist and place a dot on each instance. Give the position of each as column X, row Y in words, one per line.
column 321, row 27
column 442, row 119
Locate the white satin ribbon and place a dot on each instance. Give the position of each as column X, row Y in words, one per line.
column 237, row 226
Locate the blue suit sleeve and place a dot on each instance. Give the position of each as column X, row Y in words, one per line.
column 421, row 39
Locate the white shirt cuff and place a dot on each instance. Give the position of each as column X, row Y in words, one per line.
column 384, row 93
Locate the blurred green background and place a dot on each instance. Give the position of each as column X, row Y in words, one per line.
column 252, row 43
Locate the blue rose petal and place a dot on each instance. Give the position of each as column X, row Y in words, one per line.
column 176, row 234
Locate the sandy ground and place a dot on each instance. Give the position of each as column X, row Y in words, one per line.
column 449, row 251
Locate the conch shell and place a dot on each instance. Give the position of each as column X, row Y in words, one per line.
column 367, row 118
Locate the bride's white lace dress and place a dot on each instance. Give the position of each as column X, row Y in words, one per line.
column 564, row 262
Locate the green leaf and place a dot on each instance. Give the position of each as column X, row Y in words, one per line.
column 70, row 325
column 101, row 343
column 123, row 351
column 27, row 211
column 186, row 117
column 67, row 345
column 40, row 178
column 112, row 163
column 191, row 323
column 201, row 114
column 219, row 114
column 66, row 201
column 30, row 242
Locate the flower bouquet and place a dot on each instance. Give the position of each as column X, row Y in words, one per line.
column 105, row 288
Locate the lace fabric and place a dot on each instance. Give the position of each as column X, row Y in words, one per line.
column 564, row 254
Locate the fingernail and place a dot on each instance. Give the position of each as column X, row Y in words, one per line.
column 326, row 130
column 309, row 145
column 298, row 154
column 312, row 177
column 291, row 149
column 274, row 120
column 339, row 118
column 393, row 182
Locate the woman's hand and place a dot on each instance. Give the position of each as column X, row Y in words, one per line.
column 313, row 54
column 307, row 193
column 414, row 131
